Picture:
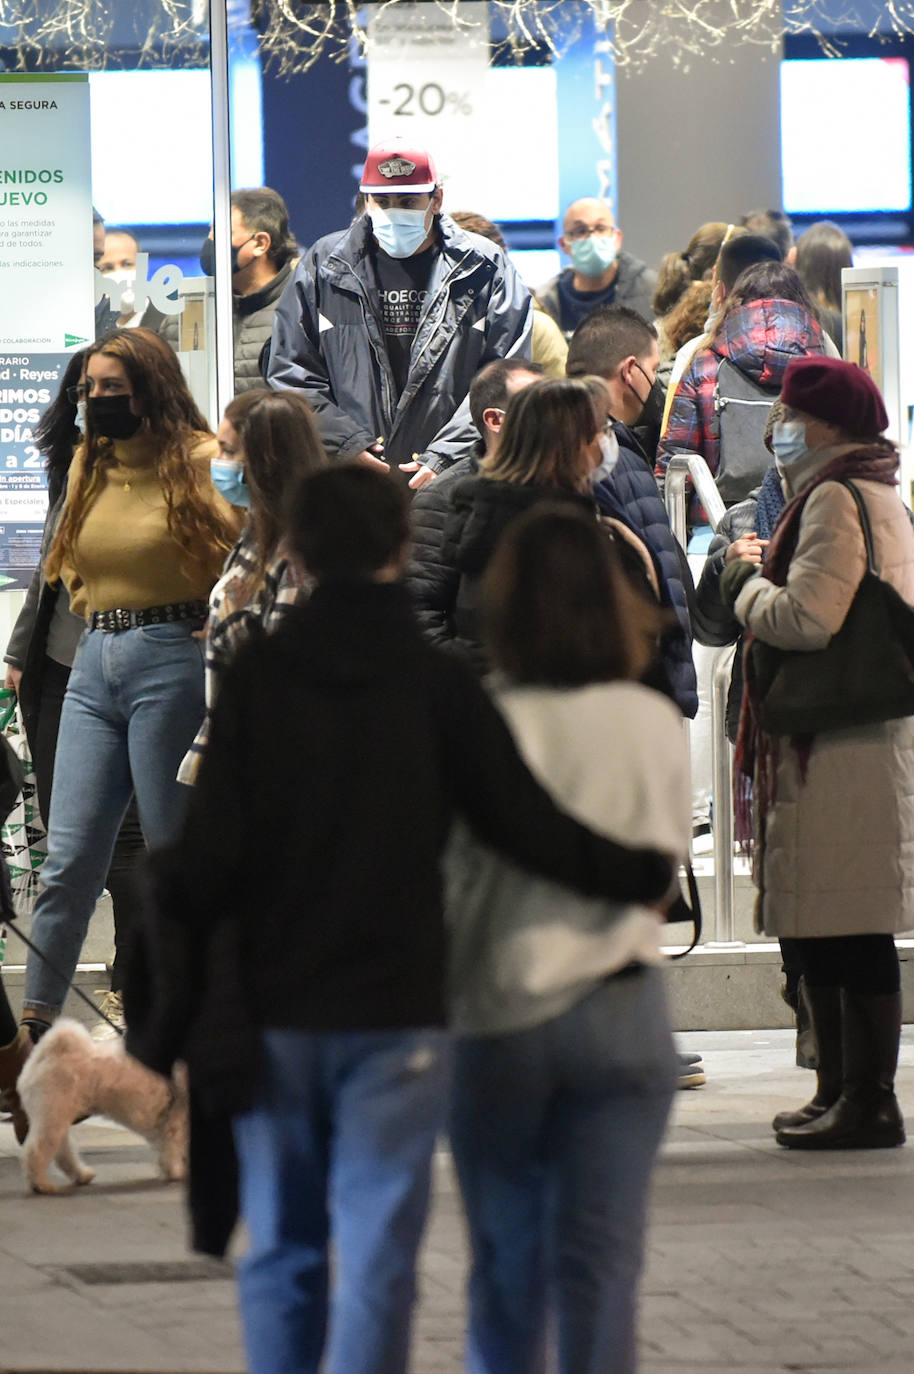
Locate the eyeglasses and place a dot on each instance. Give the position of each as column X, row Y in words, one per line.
column 575, row 234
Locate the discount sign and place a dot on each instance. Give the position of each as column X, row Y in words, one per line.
column 427, row 83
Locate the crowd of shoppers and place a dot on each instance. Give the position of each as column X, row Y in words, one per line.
column 417, row 614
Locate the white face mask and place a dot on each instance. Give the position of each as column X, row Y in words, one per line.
column 401, row 233
column 609, row 457
column 80, row 417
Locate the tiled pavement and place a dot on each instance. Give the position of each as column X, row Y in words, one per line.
column 760, row 1260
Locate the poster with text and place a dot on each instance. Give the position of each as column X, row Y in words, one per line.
column 46, row 286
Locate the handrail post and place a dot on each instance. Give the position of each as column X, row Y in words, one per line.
column 722, row 794
column 674, row 497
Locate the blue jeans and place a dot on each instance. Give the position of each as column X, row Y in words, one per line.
column 339, row 1143
column 554, row 1132
column 134, row 702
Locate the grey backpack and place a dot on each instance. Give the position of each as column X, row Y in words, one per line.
column 741, row 409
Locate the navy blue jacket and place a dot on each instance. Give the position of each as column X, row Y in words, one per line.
column 631, row 495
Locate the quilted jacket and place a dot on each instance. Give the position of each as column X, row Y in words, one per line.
column 760, row 338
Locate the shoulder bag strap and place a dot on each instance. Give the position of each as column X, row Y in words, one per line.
column 688, row 911
column 865, row 524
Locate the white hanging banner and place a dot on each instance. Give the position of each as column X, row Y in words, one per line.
column 427, row 83
column 46, row 285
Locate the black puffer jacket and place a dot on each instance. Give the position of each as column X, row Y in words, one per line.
column 432, row 582
column 713, row 623
column 631, row 495
column 481, row 511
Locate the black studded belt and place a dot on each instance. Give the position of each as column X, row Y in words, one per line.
column 110, row 622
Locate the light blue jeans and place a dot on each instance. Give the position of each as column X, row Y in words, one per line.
column 339, row 1144
column 134, row 702
column 554, row 1132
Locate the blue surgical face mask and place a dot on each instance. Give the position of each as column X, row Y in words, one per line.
column 788, row 439
column 399, row 232
column 228, row 479
column 592, row 256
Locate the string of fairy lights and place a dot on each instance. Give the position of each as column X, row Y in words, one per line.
column 294, row 34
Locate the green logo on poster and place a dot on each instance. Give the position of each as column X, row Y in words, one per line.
column 71, row 340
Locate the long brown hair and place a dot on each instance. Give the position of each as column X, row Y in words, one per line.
column 559, row 609
column 173, row 425
column 678, row 270
column 281, row 445
column 821, row 253
column 546, row 428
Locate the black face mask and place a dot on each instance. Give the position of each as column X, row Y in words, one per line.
column 652, row 410
column 208, row 256
column 111, row 417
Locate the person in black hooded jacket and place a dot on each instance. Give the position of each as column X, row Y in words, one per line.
column 552, row 446
column 431, row 580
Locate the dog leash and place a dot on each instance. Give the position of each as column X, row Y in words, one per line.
column 8, row 921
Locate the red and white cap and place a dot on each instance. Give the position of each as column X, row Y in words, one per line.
column 396, row 165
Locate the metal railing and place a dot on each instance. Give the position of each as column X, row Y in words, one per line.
column 683, row 468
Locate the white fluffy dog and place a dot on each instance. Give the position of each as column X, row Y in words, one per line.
column 69, row 1076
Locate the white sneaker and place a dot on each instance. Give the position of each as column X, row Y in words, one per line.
column 112, row 1006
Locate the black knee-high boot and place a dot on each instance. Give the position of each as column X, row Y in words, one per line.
column 825, row 1013
column 866, row 1116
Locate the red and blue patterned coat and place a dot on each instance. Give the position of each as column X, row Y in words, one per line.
column 760, row 338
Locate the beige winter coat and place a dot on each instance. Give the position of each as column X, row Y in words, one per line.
column 836, row 854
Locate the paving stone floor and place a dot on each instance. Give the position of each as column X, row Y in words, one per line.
column 760, row 1260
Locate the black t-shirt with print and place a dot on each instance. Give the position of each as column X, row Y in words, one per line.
column 403, row 290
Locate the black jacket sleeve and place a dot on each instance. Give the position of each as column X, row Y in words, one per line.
column 508, row 809
column 713, row 623
column 432, row 579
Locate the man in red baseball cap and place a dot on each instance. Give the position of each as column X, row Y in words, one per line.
column 385, row 324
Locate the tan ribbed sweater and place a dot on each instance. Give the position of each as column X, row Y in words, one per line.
column 124, row 555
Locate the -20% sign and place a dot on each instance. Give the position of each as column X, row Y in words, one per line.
column 431, row 99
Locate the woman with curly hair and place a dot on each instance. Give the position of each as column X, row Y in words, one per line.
column 141, row 539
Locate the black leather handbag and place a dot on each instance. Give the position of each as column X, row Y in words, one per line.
column 864, row 675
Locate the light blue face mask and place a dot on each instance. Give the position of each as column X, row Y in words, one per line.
column 399, row 232
column 788, row 439
column 228, row 479
column 592, row 256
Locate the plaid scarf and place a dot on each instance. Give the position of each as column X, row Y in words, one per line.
column 757, row 753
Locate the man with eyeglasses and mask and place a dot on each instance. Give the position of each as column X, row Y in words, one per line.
column 601, row 272
column 385, row 324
